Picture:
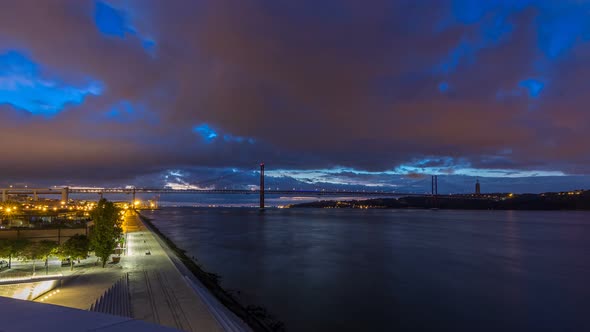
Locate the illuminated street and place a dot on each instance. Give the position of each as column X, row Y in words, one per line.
column 153, row 280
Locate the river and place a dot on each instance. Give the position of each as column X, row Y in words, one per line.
column 386, row 270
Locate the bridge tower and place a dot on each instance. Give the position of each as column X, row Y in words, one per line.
column 4, row 195
column 65, row 194
column 434, row 190
column 436, row 185
column 262, row 186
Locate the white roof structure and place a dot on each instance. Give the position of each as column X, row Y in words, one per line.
column 26, row 316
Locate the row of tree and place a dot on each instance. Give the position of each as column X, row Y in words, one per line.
column 104, row 236
column 76, row 247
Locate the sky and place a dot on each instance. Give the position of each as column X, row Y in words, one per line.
column 374, row 94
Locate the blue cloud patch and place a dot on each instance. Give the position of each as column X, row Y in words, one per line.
column 109, row 21
column 209, row 134
column 443, row 87
column 533, row 86
column 23, row 86
column 122, row 112
column 116, row 23
column 561, row 27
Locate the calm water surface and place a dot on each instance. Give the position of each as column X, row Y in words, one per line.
column 385, row 270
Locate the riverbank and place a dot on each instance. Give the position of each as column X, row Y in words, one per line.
column 565, row 201
column 255, row 317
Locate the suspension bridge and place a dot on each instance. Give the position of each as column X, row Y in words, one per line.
column 65, row 192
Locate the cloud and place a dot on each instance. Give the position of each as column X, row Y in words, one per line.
column 23, row 85
column 206, row 132
column 369, row 87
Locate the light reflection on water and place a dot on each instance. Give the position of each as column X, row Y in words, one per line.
column 383, row 270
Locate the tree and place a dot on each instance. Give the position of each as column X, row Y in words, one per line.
column 12, row 248
column 5, row 248
column 47, row 248
column 106, row 229
column 39, row 250
column 75, row 247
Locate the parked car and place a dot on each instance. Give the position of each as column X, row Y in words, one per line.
column 3, row 264
column 66, row 262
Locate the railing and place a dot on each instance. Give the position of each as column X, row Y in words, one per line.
column 26, row 277
column 15, row 274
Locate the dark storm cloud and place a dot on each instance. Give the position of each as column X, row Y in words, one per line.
column 301, row 84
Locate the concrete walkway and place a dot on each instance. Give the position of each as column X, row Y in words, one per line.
column 159, row 292
column 86, row 285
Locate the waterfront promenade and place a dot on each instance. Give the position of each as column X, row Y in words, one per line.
column 159, row 292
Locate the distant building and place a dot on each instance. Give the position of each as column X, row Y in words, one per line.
column 477, row 187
